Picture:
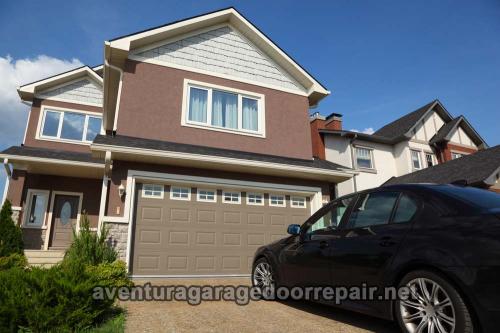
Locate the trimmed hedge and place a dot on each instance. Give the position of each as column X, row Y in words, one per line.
column 11, row 236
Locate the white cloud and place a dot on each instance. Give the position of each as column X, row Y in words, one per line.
column 13, row 113
column 15, row 73
column 368, row 130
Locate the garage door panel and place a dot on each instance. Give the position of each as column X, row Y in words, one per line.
column 180, row 237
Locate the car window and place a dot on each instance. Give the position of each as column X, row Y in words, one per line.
column 332, row 217
column 372, row 209
column 407, row 208
column 477, row 197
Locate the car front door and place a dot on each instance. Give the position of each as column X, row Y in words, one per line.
column 371, row 235
column 306, row 260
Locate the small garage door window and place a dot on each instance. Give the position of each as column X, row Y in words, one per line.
column 152, row 191
column 232, row 197
column 206, row 195
column 255, row 199
column 298, row 202
column 180, row 193
column 277, row 200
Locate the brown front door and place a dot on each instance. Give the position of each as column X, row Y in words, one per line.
column 64, row 219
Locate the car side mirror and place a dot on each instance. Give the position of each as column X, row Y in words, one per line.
column 293, row 229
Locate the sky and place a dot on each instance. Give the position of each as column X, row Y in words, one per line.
column 380, row 59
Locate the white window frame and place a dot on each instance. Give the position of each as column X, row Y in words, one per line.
column 455, row 153
column 255, row 203
column 427, row 153
column 261, row 131
column 293, row 202
column 277, row 195
column 47, row 108
column 418, row 152
column 231, row 202
column 372, row 162
column 198, row 195
column 155, row 189
column 172, row 187
column 29, row 202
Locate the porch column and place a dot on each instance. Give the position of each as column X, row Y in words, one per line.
column 15, row 193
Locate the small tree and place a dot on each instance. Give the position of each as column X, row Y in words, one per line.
column 11, row 236
column 89, row 247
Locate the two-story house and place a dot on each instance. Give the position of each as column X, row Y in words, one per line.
column 418, row 140
column 191, row 144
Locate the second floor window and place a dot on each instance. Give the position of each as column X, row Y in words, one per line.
column 429, row 159
column 415, row 159
column 225, row 110
column 454, row 156
column 69, row 125
column 364, row 158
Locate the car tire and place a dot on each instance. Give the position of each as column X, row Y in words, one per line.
column 433, row 301
column 264, row 277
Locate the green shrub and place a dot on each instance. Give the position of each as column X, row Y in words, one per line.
column 57, row 299
column 13, row 261
column 89, row 247
column 11, row 237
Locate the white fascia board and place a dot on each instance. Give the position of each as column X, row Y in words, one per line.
column 221, row 160
column 19, row 158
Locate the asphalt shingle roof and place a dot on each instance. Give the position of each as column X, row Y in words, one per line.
column 133, row 142
column 401, row 126
column 473, row 169
column 50, row 154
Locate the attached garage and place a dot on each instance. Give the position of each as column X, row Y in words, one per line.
column 183, row 229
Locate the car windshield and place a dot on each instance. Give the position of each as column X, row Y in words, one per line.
column 477, row 197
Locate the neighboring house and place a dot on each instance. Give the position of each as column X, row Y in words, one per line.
column 481, row 169
column 418, row 140
column 191, row 144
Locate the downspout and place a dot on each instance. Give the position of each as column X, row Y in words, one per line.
column 118, row 95
column 8, row 172
column 352, row 161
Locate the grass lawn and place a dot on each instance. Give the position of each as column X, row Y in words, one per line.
column 115, row 324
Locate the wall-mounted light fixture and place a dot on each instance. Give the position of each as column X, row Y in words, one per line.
column 121, row 190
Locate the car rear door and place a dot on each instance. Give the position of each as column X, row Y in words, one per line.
column 371, row 235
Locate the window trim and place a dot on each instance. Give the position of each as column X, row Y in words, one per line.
column 277, row 205
column 434, row 159
column 462, row 154
column 180, row 187
column 254, row 203
column 29, row 201
column 261, row 133
column 87, row 114
column 419, row 153
column 298, row 197
column 372, row 159
column 205, row 200
column 231, row 202
column 144, row 195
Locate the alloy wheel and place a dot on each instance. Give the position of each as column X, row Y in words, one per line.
column 263, row 276
column 428, row 309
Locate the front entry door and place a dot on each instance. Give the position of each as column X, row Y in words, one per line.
column 64, row 219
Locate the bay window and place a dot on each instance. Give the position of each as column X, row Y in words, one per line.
column 223, row 109
column 67, row 125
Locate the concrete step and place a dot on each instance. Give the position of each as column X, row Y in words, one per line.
column 43, row 258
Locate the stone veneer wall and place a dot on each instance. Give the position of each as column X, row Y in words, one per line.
column 118, row 237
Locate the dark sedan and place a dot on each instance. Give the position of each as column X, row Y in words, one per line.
column 441, row 242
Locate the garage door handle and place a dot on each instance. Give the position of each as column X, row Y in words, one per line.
column 323, row 244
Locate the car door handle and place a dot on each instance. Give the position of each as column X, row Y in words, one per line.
column 387, row 241
column 323, row 244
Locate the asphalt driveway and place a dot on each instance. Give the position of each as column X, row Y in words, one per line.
column 261, row 316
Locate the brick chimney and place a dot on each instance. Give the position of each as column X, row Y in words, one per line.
column 318, row 122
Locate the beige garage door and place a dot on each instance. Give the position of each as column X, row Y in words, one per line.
column 186, row 230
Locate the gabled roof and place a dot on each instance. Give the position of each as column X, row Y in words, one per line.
column 117, row 50
column 478, row 169
column 446, row 132
column 28, row 91
column 401, row 128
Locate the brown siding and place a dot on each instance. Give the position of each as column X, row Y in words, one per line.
column 151, row 105
column 121, row 168
column 31, row 140
column 16, row 186
column 91, row 189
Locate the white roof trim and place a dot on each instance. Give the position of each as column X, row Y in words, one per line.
column 16, row 158
column 230, row 15
column 28, row 91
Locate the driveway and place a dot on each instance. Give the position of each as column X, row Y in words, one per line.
column 261, row 316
